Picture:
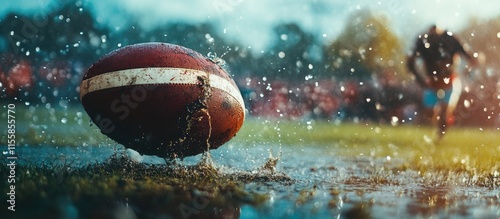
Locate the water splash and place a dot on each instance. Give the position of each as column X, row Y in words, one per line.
column 212, row 56
column 271, row 163
column 206, row 163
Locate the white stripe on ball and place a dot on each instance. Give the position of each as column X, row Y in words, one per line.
column 154, row 76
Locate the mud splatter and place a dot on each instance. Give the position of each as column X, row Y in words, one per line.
column 197, row 111
column 272, row 162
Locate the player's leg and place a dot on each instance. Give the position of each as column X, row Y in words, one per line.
column 429, row 101
column 453, row 98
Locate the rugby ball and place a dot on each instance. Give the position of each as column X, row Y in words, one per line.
column 162, row 99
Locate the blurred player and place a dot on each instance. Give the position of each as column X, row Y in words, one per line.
column 438, row 50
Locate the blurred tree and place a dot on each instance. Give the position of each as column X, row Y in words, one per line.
column 366, row 46
column 290, row 57
column 65, row 33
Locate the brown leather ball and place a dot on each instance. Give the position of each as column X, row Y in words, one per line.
column 162, row 99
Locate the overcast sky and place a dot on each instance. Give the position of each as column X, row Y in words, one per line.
column 251, row 21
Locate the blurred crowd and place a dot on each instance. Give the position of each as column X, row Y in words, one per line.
column 382, row 100
column 374, row 100
column 41, row 81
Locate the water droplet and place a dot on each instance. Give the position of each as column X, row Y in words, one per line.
column 394, row 120
column 284, row 37
column 209, row 38
column 281, row 54
column 467, row 103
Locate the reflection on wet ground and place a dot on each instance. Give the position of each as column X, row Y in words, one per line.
column 315, row 182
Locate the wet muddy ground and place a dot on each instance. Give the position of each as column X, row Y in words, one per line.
column 312, row 182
